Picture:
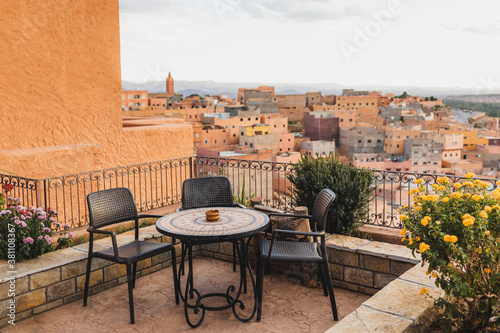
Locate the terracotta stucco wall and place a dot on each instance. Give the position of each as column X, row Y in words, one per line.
column 60, row 87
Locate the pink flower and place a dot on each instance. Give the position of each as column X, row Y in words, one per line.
column 51, row 219
column 17, row 221
column 31, row 208
column 23, row 217
column 45, row 229
column 9, row 198
column 40, row 237
column 48, row 239
column 70, row 235
column 3, row 212
column 41, row 217
column 58, row 225
column 66, row 226
column 28, row 240
column 17, row 199
column 23, row 224
column 20, row 208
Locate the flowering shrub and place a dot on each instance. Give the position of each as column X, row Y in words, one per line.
column 456, row 229
column 32, row 231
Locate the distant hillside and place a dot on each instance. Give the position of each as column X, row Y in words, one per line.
column 465, row 103
column 492, row 98
column 231, row 88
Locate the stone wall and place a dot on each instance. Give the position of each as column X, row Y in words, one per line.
column 58, row 278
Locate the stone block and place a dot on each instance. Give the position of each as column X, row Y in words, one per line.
column 345, row 242
column 399, row 267
column 47, row 306
column 345, row 258
column 74, row 297
column 227, row 248
column 214, row 247
column 45, row 278
column 336, row 272
column 99, row 263
column 21, row 286
column 161, row 258
column 104, row 286
column 30, row 300
column 373, row 263
column 61, row 289
column 381, row 280
column 145, row 263
column 367, row 290
column 96, row 277
column 114, row 271
column 358, row 276
column 19, row 316
column 151, row 269
column 345, row 285
column 402, row 298
column 364, row 319
column 74, row 269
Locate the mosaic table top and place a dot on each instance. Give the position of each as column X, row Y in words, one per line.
column 192, row 224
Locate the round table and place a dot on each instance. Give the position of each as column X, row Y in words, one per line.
column 191, row 228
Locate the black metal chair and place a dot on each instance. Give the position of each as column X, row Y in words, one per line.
column 276, row 250
column 113, row 206
column 208, row 192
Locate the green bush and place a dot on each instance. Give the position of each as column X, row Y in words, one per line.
column 352, row 186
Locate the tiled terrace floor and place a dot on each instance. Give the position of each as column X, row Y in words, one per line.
column 288, row 306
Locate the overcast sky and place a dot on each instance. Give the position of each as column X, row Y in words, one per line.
column 446, row 43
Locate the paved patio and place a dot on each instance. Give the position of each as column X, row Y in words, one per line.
column 288, row 306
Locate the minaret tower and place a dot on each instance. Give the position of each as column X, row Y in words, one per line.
column 170, row 85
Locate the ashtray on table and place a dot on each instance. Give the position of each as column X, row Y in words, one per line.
column 212, row 215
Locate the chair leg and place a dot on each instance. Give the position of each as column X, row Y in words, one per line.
column 174, row 269
column 330, row 290
column 323, row 280
column 260, row 285
column 87, row 280
column 130, row 293
column 134, row 270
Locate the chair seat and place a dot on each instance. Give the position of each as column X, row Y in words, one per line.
column 135, row 251
column 290, row 251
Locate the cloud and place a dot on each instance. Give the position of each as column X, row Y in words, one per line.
column 491, row 28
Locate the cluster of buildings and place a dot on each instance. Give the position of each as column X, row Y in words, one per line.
column 369, row 129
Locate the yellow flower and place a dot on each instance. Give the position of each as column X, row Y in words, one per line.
column 457, row 185
column 433, row 197
column 427, row 273
column 477, row 197
column 414, row 190
column 417, row 239
column 487, row 208
column 470, row 175
column 485, row 184
column 423, row 197
column 410, row 241
column 478, row 250
column 403, row 239
column 419, row 181
column 403, row 217
column 495, row 193
column 468, row 222
column 453, row 239
column 447, row 238
column 419, row 208
column 405, row 206
column 438, row 222
column 424, row 222
column 403, row 231
column 487, row 270
column 434, row 186
column 498, row 182
column 434, row 275
column 483, row 214
column 442, row 180
column 468, row 195
column 495, row 207
column 467, row 184
column 440, row 188
column 445, row 199
column 423, row 247
column 423, row 291
column 487, row 233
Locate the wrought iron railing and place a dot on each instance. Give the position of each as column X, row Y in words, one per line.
column 159, row 184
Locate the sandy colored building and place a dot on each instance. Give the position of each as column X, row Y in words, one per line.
column 71, row 67
column 134, row 99
column 395, row 137
column 259, row 137
column 317, row 148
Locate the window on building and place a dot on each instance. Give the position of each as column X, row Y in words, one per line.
column 196, row 135
column 288, row 149
column 224, row 141
column 129, row 96
column 350, row 120
column 242, row 133
column 123, row 96
column 251, row 145
column 143, row 96
column 137, row 104
column 234, row 135
column 137, row 96
column 197, row 144
column 398, row 146
column 206, row 141
column 415, row 163
column 288, row 140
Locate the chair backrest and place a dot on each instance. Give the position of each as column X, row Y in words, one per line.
column 321, row 207
column 206, row 192
column 111, row 206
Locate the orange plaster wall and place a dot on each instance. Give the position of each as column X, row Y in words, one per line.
column 60, row 85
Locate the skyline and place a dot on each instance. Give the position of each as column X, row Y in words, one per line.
column 386, row 43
